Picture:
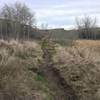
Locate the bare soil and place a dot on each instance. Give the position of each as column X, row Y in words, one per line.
column 60, row 89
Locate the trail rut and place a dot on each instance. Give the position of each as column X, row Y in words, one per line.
column 60, row 89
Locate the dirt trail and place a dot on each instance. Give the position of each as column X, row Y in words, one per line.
column 60, row 90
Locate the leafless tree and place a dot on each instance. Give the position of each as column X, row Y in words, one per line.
column 19, row 14
column 87, row 27
column 7, row 12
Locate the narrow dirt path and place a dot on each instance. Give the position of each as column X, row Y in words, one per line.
column 60, row 90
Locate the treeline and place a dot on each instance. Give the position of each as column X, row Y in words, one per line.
column 87, row 28
column 17, row 21
column 93, row 34
column 13, row 29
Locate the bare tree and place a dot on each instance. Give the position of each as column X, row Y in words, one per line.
column 19, row 14
column 86, row 27
column 1, row 36
column 7, row 12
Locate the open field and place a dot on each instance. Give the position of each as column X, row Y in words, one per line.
column 88, row 42
column 77, row 66
column 80, row 67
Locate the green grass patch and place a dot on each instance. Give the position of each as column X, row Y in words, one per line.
column 40, row 78
column 43, row 85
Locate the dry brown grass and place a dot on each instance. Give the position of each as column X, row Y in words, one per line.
column 80, row 67
column 88, row 42
column 17, row 81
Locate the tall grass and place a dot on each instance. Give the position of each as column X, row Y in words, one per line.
column 17, row 81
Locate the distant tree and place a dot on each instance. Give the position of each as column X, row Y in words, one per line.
column 87, row 27
column 19, row 14
column 7, row 12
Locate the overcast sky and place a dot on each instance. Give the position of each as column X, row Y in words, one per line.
column 60, row 13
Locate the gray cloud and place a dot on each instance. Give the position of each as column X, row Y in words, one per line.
column 63, row 12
